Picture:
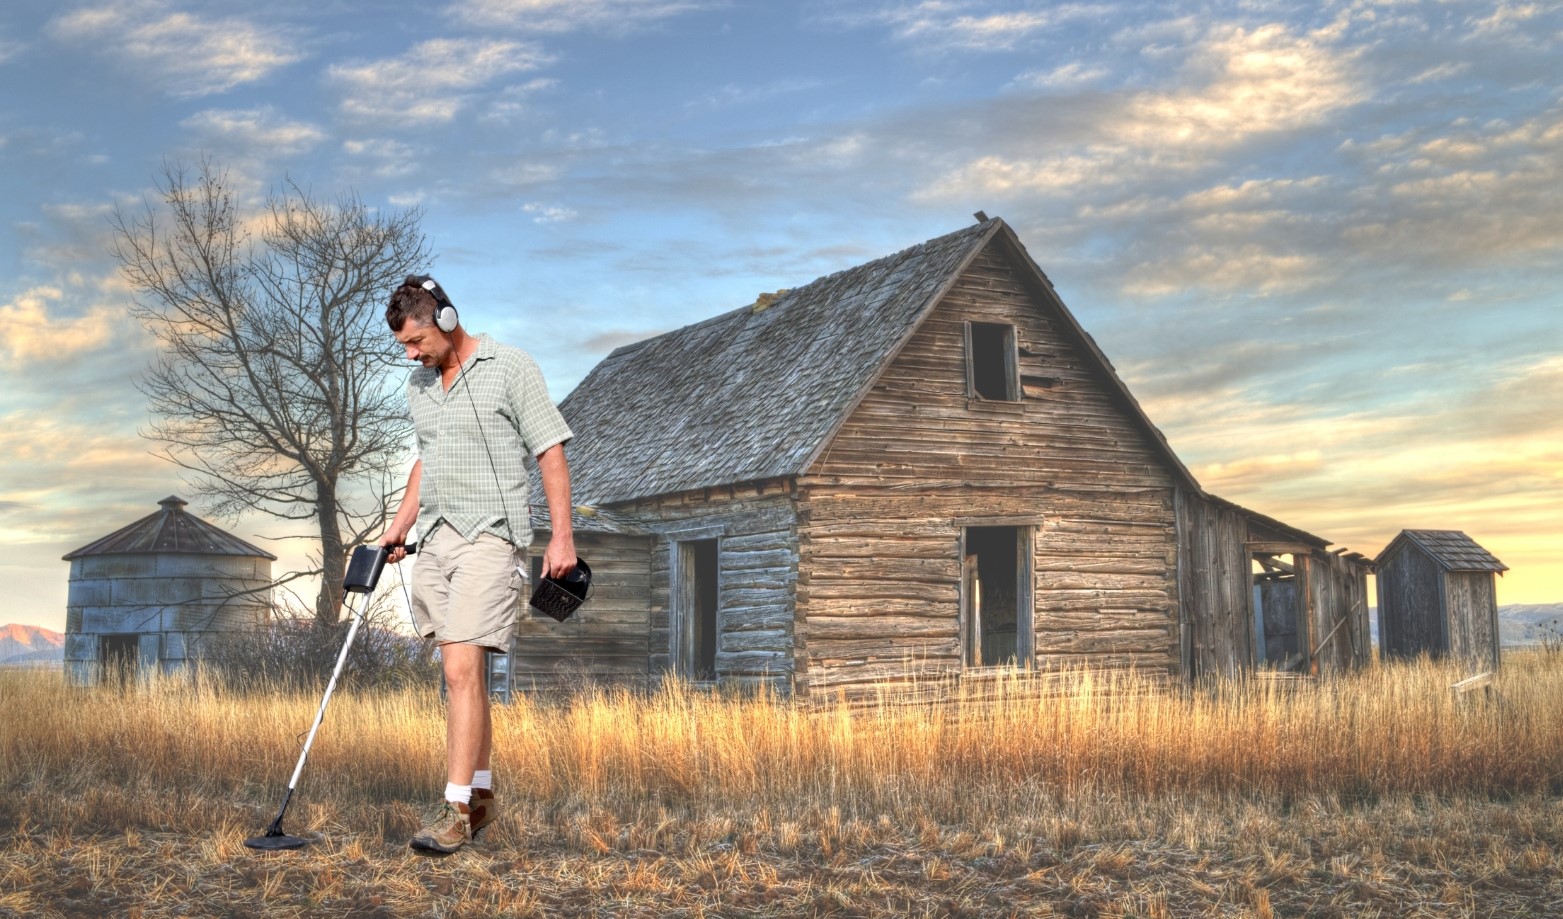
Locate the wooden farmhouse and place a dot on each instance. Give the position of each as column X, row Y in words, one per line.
column 919, row 466
column 1437, row 595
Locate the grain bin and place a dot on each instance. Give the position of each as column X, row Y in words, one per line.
column 141, row 598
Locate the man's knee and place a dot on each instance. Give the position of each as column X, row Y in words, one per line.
column 463, row 665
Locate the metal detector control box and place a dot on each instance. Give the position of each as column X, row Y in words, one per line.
column 363, row 569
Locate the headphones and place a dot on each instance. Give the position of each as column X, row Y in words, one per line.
column 445, row 318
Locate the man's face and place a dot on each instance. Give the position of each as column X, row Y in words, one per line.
column 424, row 343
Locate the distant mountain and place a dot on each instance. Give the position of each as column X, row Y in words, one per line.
column 1530, row 623
column 30, row 644
column 1519, row 624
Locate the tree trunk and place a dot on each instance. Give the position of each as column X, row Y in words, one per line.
column 333, row 555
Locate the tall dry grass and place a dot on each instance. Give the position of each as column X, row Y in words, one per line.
column 997, row 761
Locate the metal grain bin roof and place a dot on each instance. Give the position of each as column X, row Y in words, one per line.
column 1452, row 549
column 171, row 530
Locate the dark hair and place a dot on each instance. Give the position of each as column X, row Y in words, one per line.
column 410, row 301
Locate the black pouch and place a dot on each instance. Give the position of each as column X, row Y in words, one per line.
column 559, row 598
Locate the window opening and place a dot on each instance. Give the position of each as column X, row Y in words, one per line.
column 991, row 361
column 998, row 617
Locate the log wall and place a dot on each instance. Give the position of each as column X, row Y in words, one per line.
column 757, row 560
column 608, row 638
column 881, row 510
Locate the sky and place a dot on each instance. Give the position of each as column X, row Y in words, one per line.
column 1321, row 243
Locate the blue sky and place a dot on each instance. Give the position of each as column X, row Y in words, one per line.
column 1322, row 247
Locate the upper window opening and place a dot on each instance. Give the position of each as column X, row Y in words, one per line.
column 992, row 370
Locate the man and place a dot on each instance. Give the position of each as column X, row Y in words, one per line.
column 476, row 406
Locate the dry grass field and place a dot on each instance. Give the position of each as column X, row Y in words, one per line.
column 1381, row 794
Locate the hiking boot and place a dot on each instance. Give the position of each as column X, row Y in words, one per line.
column 450, row 829
column 484, row 809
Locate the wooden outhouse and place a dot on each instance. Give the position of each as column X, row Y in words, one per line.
column 1437, row 594
column 919, row 466
column 141, row 598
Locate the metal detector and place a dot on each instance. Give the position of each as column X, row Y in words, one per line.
column 363, row 572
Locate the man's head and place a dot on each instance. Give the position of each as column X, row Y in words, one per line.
column 421, row 299
column 412, row 313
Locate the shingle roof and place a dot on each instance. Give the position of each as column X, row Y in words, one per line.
column 757, row 393
column 1452, row 549
column 750, row 394
column 170, row 530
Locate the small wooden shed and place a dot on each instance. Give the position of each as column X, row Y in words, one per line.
column 141, row 598
column 920, row 466
column 1437, row 594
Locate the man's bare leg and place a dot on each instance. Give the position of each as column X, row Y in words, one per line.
column 468, row 726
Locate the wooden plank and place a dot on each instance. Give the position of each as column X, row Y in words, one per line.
column 1481, row 680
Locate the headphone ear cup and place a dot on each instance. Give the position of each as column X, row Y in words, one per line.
column 445, row 317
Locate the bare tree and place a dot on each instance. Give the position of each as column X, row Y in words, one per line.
column 272, row 385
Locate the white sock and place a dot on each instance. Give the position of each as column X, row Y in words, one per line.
column 461, row 794
column 483, row 778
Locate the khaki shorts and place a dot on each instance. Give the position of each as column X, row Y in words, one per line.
column 467, row 593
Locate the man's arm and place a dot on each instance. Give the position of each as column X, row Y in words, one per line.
column 559, row 557
column 406, row 514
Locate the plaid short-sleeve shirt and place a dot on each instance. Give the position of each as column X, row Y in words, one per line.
column 473, row 441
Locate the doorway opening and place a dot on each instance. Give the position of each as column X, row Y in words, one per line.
column 120, row 656
column 697, row 599
column 1280, row 629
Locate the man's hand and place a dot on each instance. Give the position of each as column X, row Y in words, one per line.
column 559, row 557
column 395, row 540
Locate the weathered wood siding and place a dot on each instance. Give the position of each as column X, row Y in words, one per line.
column 1217, row 588
column 1340, row 602
column 1218, row 585
column 755, row 527
column 1472, row 616
column 880, row 511
column 608, row 640
column 1411, row 605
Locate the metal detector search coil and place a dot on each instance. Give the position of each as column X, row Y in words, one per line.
column 561, row 597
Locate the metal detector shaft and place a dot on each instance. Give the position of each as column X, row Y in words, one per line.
column 363, row 572
column 352, row 632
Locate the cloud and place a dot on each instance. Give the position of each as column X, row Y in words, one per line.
column 1239, row 84
column 603, row 342
column 614, row 16
column 512, row 102
column 954, row 26
column 261, row 128
column 737, row 94
column 36, row 333
column 1065, row 76
column 191, row 54
column 390, row 158
column 433, row 81
column 548, row 213
column 1457, row 196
